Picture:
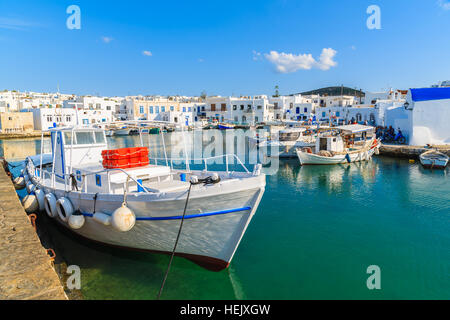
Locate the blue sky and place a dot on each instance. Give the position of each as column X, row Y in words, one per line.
column 222, row 47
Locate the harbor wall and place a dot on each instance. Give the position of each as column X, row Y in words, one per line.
column 26, row 271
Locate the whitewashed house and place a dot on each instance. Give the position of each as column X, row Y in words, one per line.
column 429, row 115
column 45, row 118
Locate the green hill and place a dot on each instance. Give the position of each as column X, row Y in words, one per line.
column 335, row 91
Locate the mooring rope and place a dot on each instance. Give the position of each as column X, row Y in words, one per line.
column 176, row 243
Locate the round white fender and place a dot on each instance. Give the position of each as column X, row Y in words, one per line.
column 30, row 203
column 50, row 205
column 123, row 219
column 19, row 183
column 40, row 195
column 30, row 187
column 64, row 208
column 102, row 218
column 76, row 220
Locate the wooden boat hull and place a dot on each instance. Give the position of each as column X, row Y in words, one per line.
column 314, row 159
column 434, row 160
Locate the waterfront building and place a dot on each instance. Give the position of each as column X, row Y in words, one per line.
column 45, row 118
column 16, row 122
column 94, row 109
column 172, row 109
column 427, row 115
column 242, row 110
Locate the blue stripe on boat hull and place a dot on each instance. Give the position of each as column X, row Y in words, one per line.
column 190, row 216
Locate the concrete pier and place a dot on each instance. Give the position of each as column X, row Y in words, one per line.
column 26, row 271
column 411, row 152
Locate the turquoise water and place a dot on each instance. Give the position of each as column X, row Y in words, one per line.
column 316, row 231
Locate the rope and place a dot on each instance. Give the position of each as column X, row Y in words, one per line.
column 73, row 182
column 176, row 243
column 95, row 201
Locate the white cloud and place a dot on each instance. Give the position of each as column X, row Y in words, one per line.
column 107, row 39
column 444, row 4
column 288, row 62
column 147, row 53
column 256, row 55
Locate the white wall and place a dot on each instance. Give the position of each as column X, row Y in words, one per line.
column 431, row 122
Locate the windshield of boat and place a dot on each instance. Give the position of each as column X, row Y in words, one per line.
column 84, row 137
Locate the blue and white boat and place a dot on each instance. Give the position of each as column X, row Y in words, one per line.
column 142, row 208
column 225, row 126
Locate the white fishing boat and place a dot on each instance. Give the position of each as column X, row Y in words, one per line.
column 434, row 159
column 143, row 207
column 343, row 144
column 124, row 131
column 284, row 141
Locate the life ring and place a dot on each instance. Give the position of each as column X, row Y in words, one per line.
column 50, row 205
column 64, row 208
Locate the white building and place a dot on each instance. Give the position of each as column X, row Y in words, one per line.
column 428, row 116
column 45, row 118
column 242, row 110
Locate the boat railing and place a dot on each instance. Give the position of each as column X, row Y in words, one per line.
column 204, row 161
column 42, row 175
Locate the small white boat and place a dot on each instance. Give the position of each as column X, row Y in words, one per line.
column 434, row 159
column 225, row 126
column 344, row 144
column 125, row 131
column 78, row 192
column 284, row 142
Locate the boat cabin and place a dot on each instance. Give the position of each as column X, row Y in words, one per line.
column 344, row 138
column 77, row 158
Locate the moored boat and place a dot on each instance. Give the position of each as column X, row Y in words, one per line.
column 344, row 144
column 225, row 126
column 118, row 198
column 434, row 159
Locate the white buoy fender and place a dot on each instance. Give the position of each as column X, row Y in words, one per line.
column 64, row 208
column 40, row 195
column 19, row 183
column 76, row 220
column 123, row 219
column 50, row 205
column 30, row 203
column 102, row 218
column 30, row 187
